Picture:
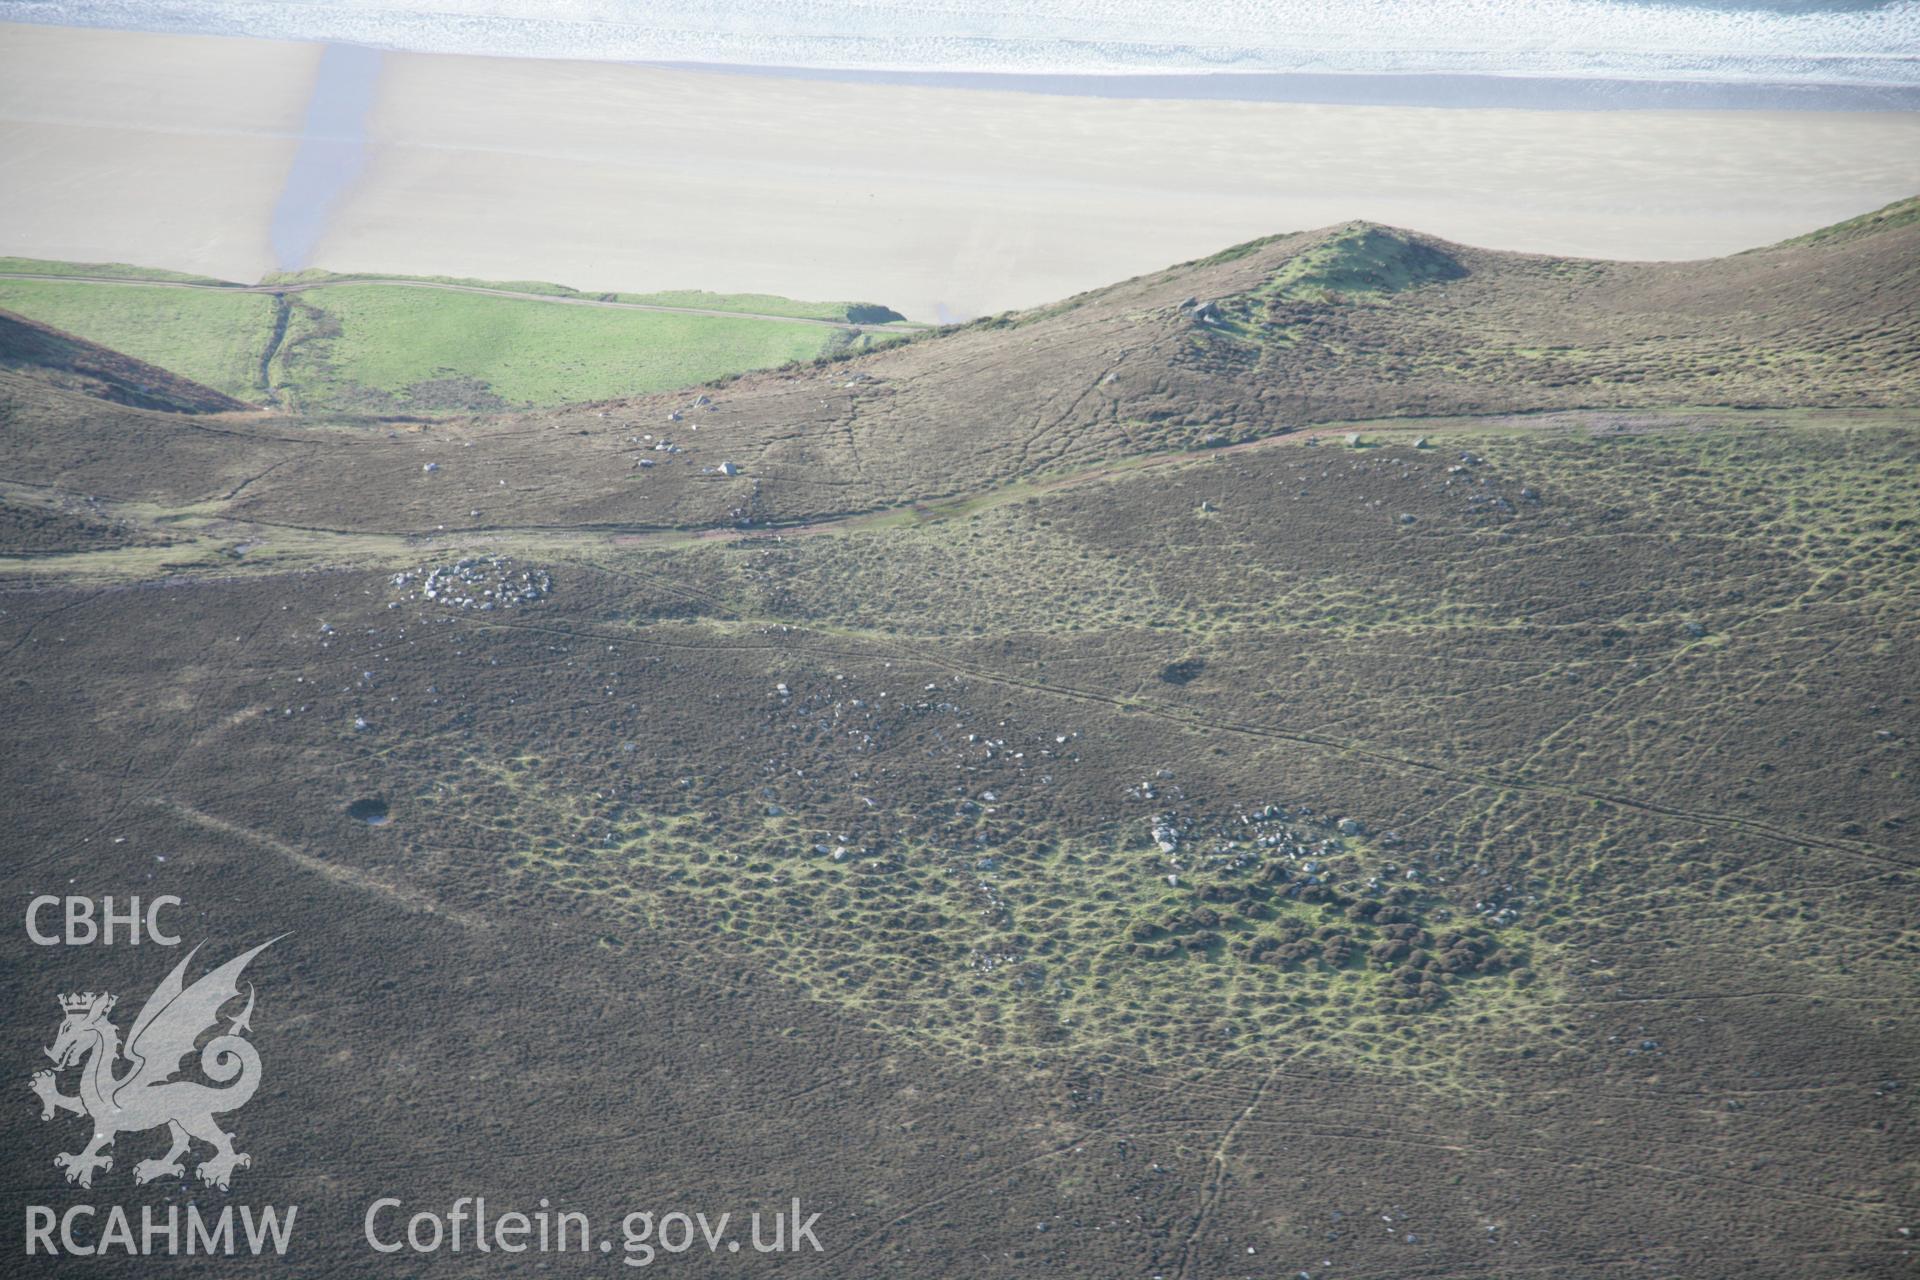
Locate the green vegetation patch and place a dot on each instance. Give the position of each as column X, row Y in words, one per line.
column 373, row 347
column 1363, row 261
column 1361, row 265
column 1233, row 253
column 217, row 339
column 378, row 348
column 1900, row 213
column 991, row 938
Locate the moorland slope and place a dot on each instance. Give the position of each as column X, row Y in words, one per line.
column 1354, row 757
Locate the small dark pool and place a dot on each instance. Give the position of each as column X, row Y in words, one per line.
column 371, row 810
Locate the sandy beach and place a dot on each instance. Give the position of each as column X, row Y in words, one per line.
column 942, row 202
column 159, row 150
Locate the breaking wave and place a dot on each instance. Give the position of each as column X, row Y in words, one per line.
column 1833, row 42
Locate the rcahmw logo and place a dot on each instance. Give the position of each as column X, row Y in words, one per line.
column 132, row 1088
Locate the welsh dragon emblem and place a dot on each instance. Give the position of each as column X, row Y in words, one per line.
column 143, row 1093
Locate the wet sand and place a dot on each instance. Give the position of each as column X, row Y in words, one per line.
column 164, row 151
column 942, row 202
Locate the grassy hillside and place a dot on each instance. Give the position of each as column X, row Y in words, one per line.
column 215, row 338
column 1901, row 213
column 356, row 344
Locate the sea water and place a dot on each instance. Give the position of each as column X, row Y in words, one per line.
column 1777, row 42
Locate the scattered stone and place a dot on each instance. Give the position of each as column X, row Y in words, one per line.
column 479, row 582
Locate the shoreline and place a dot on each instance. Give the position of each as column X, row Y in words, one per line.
column 1765, row 45
column 1451, row 90
column 1551, row 90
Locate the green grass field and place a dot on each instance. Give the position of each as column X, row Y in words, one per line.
column 360, row 345
column 217, row 339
